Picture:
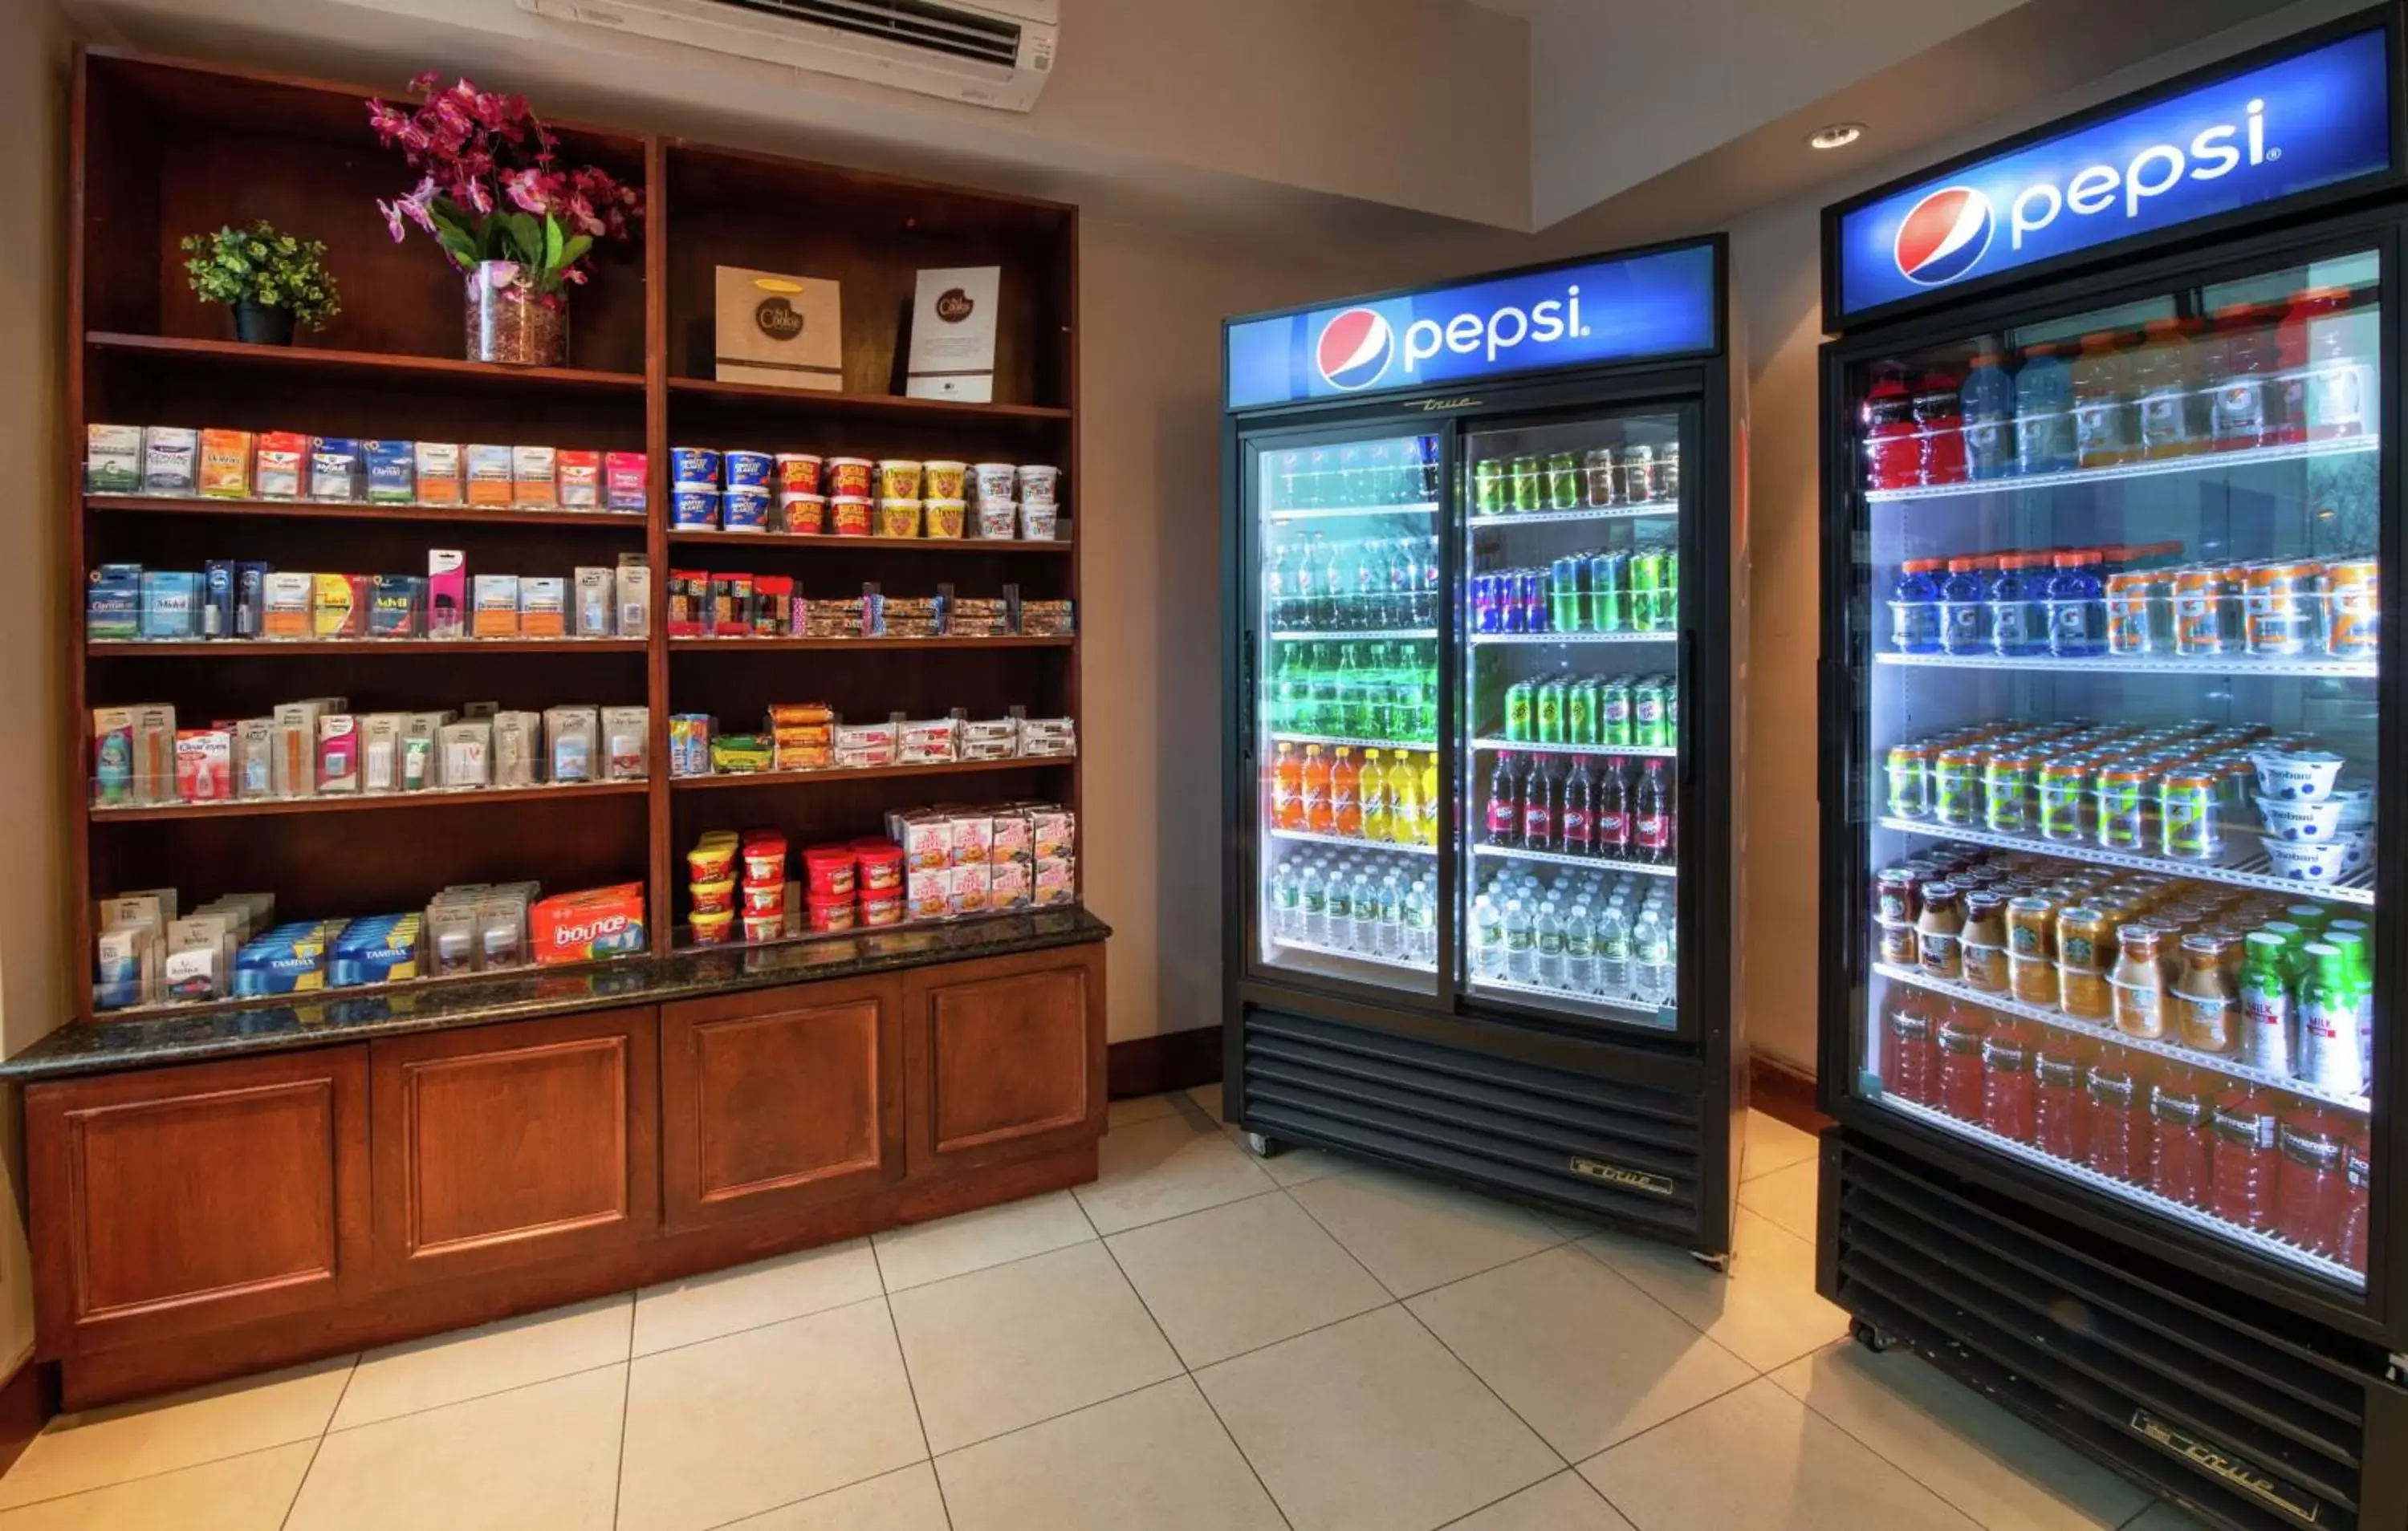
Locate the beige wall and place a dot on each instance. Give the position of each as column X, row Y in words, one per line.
column 34, row 601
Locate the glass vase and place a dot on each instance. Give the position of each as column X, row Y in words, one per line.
column 509, row 322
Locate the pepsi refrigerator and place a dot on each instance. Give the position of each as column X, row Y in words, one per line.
column 1476, row 562
column 2111, row 707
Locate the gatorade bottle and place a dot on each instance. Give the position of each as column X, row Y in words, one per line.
column 2162, row 387
column 1965, row 606
column 2044, row 412
column 2019, row 618
column 1315, row 777
column 1346, row 795
column 2244, row 399
column 1287, row 789
column 1915, row 607
column 1940, row 430
column 1379, row 823
column 1892, row 458
column 2326, row 348
column 2102, row 404
column 1988, row 406
column 2077, row 606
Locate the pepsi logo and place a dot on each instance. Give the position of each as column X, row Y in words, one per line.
column 1945, row 236
column 1355, row 348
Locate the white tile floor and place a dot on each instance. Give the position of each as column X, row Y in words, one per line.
column 1197, row 1340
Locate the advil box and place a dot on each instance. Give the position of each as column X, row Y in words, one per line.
column 584, row 926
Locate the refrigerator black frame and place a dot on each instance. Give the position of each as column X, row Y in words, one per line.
column 2392, row 15
column 2381, row 1315
column 1703, row 1057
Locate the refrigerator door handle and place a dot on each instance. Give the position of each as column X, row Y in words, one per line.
column 1686, row 692
column 1246, row 694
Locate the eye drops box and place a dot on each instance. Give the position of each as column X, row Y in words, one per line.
column 518, row 749
column 634, row 599
column 594, row 593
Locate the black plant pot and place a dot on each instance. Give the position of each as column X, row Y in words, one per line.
column 257, row 325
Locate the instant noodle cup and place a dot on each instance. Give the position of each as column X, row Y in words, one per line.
column 712, row 858
column 883, row 909
column 999, row 522
column 827, row 871
column 898, row 478
column 799, row 473
column 880, row 864
column 1038, row 481
column 1037, row 522
column 946, row 480
column 945, row 517
column 848, row 475
column 994, row 483
column 714, row 897
column 849, row 515
column 805, row 515
column 898, row 518
column 765, row 927
column 826, row 914
column 712, row 929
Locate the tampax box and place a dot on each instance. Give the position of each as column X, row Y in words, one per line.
column 952, row 335
column 778, row 331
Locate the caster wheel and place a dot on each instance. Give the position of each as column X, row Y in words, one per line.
column 1869, row 1337
column 1719, row 1263
column 1260, row 1145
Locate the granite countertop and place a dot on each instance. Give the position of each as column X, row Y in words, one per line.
column 330, row 1016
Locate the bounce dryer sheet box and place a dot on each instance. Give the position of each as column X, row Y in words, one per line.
column 778, row 331
column 594, row 923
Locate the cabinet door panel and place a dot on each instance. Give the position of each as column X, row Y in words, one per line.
column 509, row 1144
column 176, row 1199
column 781, row 1098
column 1005, row 1056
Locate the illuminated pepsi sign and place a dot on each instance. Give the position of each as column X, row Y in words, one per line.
column 2308, row 121
column 1621, row 309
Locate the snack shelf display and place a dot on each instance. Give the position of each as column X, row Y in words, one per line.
column 599, row 520
column 363, row 368
column 2224, row 461
column 431, row 797
column 832, row 542
column 746, row 643
column 839, row 774
column 398, row 648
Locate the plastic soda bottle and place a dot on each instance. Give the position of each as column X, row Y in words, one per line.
column 2044, row 412
column 1939, row 430
column 1346, row 795
column 1893, row 460
column 1425, row 811
column 1987, row 402
column 1371, row 786
column 1538, row 805
column 1402, row 795
column 1287, row 788
column 2162, row 392
column 1504, row 821
column 2103, row 435
column 1314, row 778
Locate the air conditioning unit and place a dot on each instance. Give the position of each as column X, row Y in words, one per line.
column 985, row 52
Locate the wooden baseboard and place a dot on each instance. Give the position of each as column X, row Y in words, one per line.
column 1178, row 1060
column 27, row 1400
column 1785, row 1091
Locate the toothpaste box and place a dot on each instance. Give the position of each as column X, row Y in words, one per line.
column 391, row 471
column 171, row 460
column 112, row 459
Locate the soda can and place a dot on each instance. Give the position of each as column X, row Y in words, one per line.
column 1564, row 595
column 1646, row 590
column 1580, row 713
column 1551, row 712
column 1320, row 481
column 1647, row 714
column 1519, row 705
column 1527, row 494
column 1667, row 591
column 1291, row 478
column 1513, row 615
column 1425, row 455
column 2352, row 611
column 1614, row 710
column 1637, row 474
column 1608, row 573
column 1563, row 482
column 1672, row 710
column 1598, row 473
column 1668, row 472
column 1530, row 585
column 1488, row 607
column 1488, row 491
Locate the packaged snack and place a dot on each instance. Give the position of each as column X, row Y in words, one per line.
column 496, row 605
column 1045, row 738
column 586, row 927
column 881, row 908
column 535, row 480
column 829, row 914
column 1055, row 881
column 927, row 892
column 761, row 898
column 744, row 509
column 739, row 752
column 1045, row 619
column 624, row 481
column 1038, row 483
column 879, row 866
column 690, row 746
column 802, row 515
column 831, row 618
column 1051, row 832
column 991, row 739
column 591, row 592
column 689, row 601
column 1036, row 522
column 863, row 745
column 391, row 471
column 978, row 616
column 746, row 469
column 773, row 604
column 765, row 927
column 338, row 468
column 730, row 611
column 113, row 460
column 928, row 742
column 626, row 743
column 693, row 467
column 338, row 608
column 439, row 477
column 847, row 477
column 339, row 754
column 849, row 515
column 446, row 592
column 580, row 480
column 204, row 764
column 543, row 605
column 828, row 871
column 999, row 522
column 224, row 470
column 170, row 459
column 971, row 839
column 799, row 714
column 1011, row 843
column 171, row 605
column 281, row 465
column 1009, row 886
column 899, row 517
column 926, row 839
column 284, row 603
column 490, row 474
column 968, row 890
column 713, row 857
column 712, row 929
column 762, row 858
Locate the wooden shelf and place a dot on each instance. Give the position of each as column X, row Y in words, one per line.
column 834, row 544
column 743, row 645
column 868, row 773
column 254, row 648
column 809, row 401
column 364, row 365
column 596, row 521
column 352, row 803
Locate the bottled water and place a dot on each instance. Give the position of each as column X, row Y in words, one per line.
column 1579, row 951
column 1487, row 938
column 1520, row 943
column 1421, row 924
column 1651, row 960
column 1312, row 922
column 1391, row 933
column 1366, row 939
column 1285, row 911
column 1550, row 942
column 1338, row 905
column 1613, row 951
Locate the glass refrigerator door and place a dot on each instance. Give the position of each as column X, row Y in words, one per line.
column 2118, row 751
column 1571, row 711
column 1345, row 539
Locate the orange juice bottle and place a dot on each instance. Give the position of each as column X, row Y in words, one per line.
column 1347, row 795
column 1287, row 789
column 1315, row 775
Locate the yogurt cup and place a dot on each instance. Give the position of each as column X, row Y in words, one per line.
column 1036, row 522
column 945, row 517
column 799, row 473
column 847, row 477
column 748, row 469
column 994, row 483
column 898, row 518
column 694, row 509
column 999, row 522
column 945, row 480
column 1038, row 481
column 898, row 478
column 744, row 509
column 804, row 515
column 849, row 515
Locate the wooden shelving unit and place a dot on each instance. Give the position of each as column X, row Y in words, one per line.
column 168, row 147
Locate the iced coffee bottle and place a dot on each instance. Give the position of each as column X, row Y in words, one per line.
column 2085, row 935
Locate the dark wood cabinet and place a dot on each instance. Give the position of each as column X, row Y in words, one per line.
column 781, row 1098
column 175, row 1200
column 1005, row 1057
column 507, row 1144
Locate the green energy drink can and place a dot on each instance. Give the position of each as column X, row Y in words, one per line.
column 1647, row 715
column 1580, row 713
column 1519, row 705
column 1646, row 588
column 1606, row 575
column 1613, row 708
column 1488, row 490
column 1563, row 482
column 1551, row 712
column 1668, row 589
column 1527, row 493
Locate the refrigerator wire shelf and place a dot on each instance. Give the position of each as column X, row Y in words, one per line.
column 1351, row 842
column 1530, row 747
column 1350, row 741
column 2251, row 868
column 1560, row 858
column 2197, row 463
column 1503, row 518
column 2209, row 1062
column 1482, row 640
column 2265, row 1244
column 2219, row 667
column 1351, row 634
column 1338, row 512
column 1330, row 949
column 1663, row 1015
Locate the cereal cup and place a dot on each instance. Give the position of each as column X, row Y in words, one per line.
column 994, row 483
column 1037, row 482
column 898, row 478
column 945, row 480
column 849, row 515
column 799, row 473
column 999, row 522
column 712, row 929
column 945, row 518
column 694, row 509
column 744, row 509
column 1037, row 522
column 694, row 468
column 847, row 477
column 748, row 469
column 804, row 515
column 898, row 518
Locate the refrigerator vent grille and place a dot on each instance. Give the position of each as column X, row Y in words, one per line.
column 2103, row 1347
column 1612, row 1150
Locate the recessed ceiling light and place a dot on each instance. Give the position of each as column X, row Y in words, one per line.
column 1838, row 136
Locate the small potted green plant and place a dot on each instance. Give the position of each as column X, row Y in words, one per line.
column 271, row 280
